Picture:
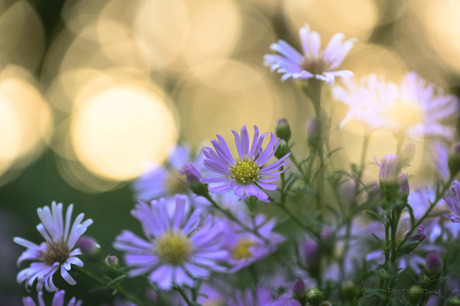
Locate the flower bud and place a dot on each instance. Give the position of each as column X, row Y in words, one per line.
column 298, row 289
column 88, row 245
column 314, row 296
column 283, row 131
column 348, row 290
column 389, row 169
column 282, row 150
column 419, row 234
column 454, row 301
column 433, row 263
column 415, row 293
column 454, row 159
column 325, row 303
column 112, row 260
column 404, row 188
column 310, row 252
column 193, row 176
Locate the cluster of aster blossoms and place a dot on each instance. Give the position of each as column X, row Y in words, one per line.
column 209, row 230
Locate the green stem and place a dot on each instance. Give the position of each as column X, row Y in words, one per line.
column 116, row 286
column 184, row 296
column 235, row 219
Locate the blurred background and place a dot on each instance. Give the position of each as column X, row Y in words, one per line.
column 93, row 92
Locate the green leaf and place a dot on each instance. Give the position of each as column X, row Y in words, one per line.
column 376, row 215
column 116, row 280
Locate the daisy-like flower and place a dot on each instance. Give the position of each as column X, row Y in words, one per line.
column 245, row 248
column 58, row 252
column 247, row 174
column 313, row 62
column 413, row 108
column 261, row 296
column 58, row 300
column 179, row 246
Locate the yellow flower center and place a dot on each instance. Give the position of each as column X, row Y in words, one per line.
column 173, row 248
column 245, row 172
column 405, row 114
column 55, row 252
column 242, row 249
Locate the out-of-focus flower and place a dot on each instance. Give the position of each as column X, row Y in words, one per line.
column 313, row 62
column 420, row 200
column 453, row 200
column 58, row 252
column 245, row 248
column 413, row 108
column 433, row 262
column 248, row 174
column 163, row 180
column 179, row 245
column 262, row 296
column 88, row 245
column 58, row 300
column 453, row 161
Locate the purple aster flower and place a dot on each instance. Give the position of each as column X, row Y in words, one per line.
column 452, row 199
column 58, row 300
column 261, row 296
column 313, row 63
column 57, row 253
column 245, row 248
column 179, row 246
column 413, row 108
column 247, row 174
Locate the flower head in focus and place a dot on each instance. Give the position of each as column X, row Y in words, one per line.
column 452, row 199
column 245, row 248
column 414, row 108
column 179, row 245
column 248, row 174
column 313, row 62
column 58, row 252
column 58, row 300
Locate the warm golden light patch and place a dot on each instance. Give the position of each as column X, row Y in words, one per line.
column 405, row 114
column 115, row 133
